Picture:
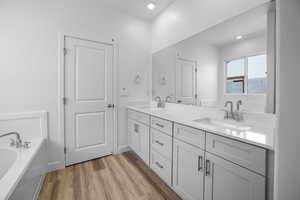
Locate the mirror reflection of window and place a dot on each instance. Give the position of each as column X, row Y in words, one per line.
column 247, row 75
column 257, row 74
column 235, row 76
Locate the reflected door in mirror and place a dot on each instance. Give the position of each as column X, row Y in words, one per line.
column 186, row 79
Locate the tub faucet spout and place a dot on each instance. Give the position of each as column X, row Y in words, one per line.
column 18, row 142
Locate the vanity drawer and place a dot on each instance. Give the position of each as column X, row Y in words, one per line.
column 138, row 116
column 162, row 125
column 161, row 166
column 248, row 156
column 162, row 143
column 190, row 135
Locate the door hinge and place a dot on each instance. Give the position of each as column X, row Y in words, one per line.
column 64, row 100
column 65, row 150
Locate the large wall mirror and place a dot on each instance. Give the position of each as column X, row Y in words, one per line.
column 234, row 60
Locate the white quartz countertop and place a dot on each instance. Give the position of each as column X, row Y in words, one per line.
column 262, row 125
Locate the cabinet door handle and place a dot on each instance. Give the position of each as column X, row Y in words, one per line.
column 159, row 125
column 159, row 165
column 200, row 163
column 160, row 143
column 207, row 167
column 136, row 128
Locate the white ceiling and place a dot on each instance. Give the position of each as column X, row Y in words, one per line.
column 139, row 8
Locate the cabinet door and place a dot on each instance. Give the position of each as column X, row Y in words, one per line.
column 134, row 136
column 225, row 180
column 144, row 132
column 188, row 171
column 139, row 137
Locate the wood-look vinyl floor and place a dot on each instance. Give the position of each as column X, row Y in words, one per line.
column 115, row 177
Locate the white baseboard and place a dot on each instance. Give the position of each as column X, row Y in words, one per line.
column 53, row 166
column 123, row 148
column 39, row 187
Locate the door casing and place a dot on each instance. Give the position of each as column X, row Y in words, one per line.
column 61, row 90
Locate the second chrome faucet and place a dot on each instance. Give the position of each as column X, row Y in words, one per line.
column 162, row 103
column 231, row 114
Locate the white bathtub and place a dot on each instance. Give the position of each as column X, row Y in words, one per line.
column 21, row 170
column 8, row 158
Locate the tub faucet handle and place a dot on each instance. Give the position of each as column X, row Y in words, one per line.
column 27, row 145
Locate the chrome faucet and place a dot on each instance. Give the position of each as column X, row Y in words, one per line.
column 238, row 104
column 238, row 115
column 17, row 142
column 229, row 114
column 157, row 99
column 168, row 99
column 160, row 103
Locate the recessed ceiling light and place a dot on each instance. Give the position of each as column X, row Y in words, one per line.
column 239, row 37
column 151, row 6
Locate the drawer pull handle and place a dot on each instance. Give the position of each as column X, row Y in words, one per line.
column 159, row 125
column 207, row 167
column 158, row 142
column 200, row 163
column 159, row 165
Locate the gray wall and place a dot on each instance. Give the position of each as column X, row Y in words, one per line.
column 288, row 138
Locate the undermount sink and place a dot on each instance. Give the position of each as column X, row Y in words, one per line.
column 151, row 107
column 224, row 124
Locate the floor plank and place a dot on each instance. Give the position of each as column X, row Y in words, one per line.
column 116, row 177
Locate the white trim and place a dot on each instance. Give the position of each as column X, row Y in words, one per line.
column 39, row 187
column 56, row 165
column 123, row 148
column 61, row 94
column 61, row 84
column 41, row 115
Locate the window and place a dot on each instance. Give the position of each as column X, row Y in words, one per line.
column 246, row 75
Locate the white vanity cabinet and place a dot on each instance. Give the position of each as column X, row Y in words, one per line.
column 139, row 134
column 246, row 155
column 188, row 162
column 188, row 170
column 161, row 144
column 210, row 167
column 133, row 136
column 225, row 180
column 234, row 170
column 199, row 165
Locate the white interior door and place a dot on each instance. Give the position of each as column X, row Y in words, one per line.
column 186, row 78
column 88, row 92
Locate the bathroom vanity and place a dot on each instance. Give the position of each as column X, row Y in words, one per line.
column 199, row 157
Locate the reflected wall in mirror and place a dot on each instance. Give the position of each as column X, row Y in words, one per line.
column 234, row 60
